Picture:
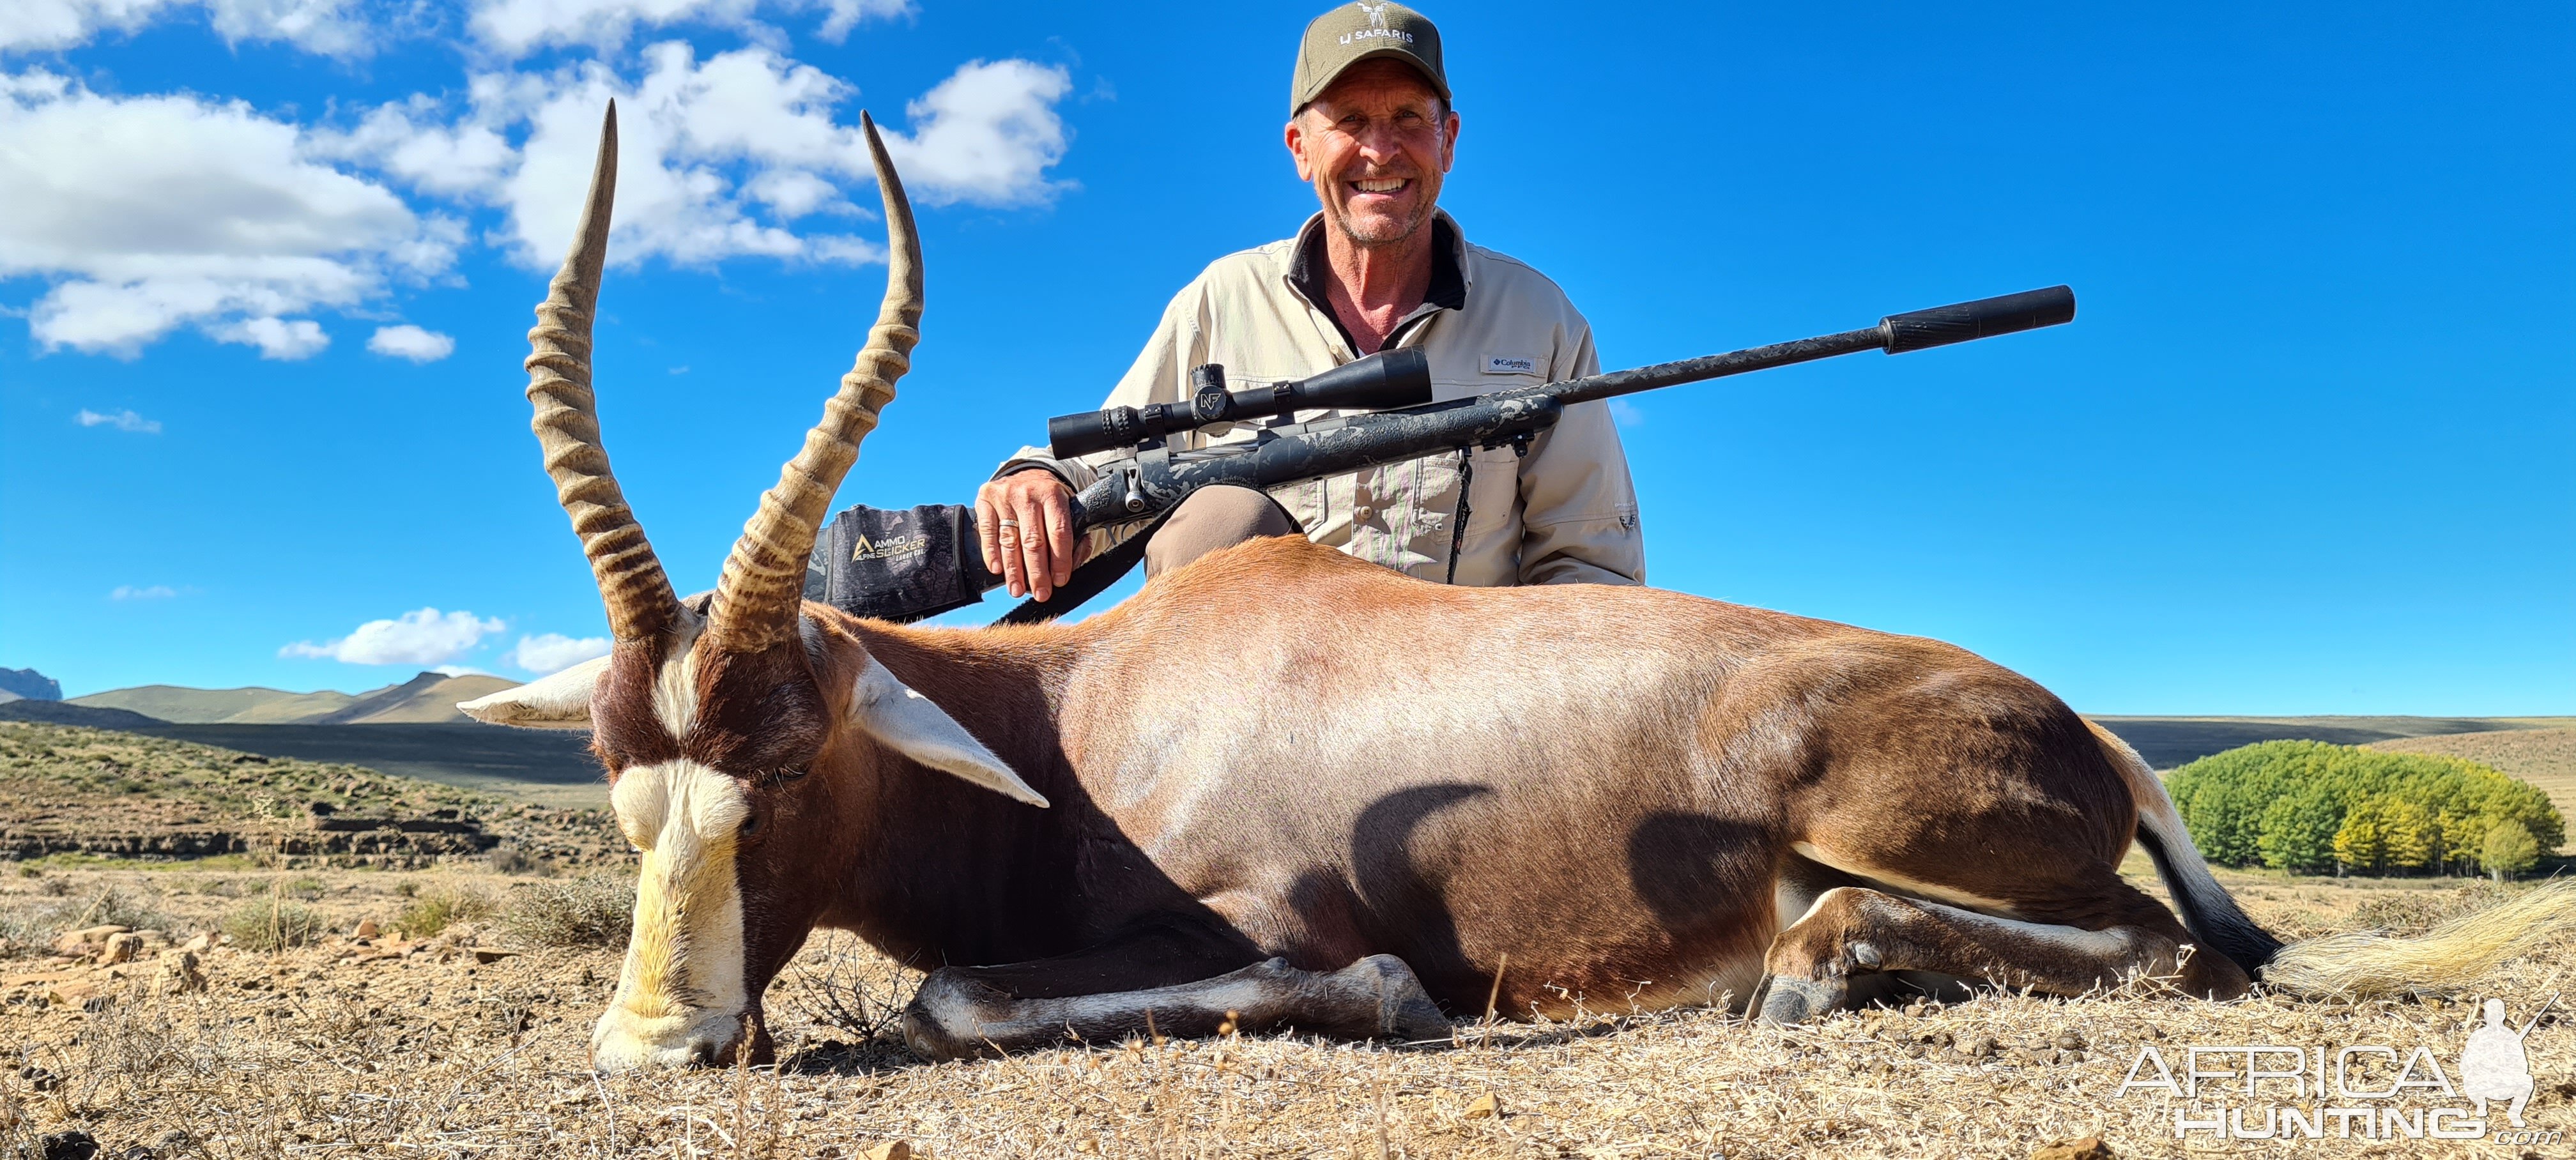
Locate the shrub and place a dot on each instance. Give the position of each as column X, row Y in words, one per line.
column 592, row 910
column 33, row 929
column 2508, row 850
column 2307, row 806
column 272, row 924
column 441, row 906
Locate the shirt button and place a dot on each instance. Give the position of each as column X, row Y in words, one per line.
column 1363, row 514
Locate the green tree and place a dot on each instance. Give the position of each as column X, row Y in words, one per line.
column 2508, row 849
column 2298, row 830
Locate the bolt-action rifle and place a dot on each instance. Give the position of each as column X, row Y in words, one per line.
column 910, row 563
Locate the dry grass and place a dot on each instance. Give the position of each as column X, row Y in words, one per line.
column 442, row 905
column 350, row 1050
column 595, row 910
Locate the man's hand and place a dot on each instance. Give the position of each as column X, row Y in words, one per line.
column 1026, row 522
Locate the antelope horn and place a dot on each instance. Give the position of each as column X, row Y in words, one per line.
column 764, row 579
column 639, row 598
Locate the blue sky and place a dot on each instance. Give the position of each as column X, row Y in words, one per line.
column 2305, row 450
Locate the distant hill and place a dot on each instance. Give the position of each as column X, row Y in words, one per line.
column 246, row 706
column 30, row 684
column 66, row 713
column 427, row 699
column 2168, row 742
column 2543, row 757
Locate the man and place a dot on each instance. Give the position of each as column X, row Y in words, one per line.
column 1372, row 128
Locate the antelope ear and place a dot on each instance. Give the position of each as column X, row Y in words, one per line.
column 561, row 701
column 908, row 723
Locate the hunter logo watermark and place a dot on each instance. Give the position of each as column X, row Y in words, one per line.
column 2354, row 1092
column 890, row 547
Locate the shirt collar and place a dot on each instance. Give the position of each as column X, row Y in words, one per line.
column 1448, row 291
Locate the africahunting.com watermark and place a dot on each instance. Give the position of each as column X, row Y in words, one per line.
column 2351, row 1092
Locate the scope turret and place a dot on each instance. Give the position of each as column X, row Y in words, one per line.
column 1395, row 378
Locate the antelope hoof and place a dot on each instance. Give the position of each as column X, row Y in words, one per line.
column 946, row 1017
column 1789, row 1001
column 1404, row 1010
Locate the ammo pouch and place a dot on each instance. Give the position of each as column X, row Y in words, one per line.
column 900, row 565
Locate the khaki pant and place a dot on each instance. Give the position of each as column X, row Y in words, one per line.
column 1213, row 518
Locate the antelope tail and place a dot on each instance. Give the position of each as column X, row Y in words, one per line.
column 2353, row 965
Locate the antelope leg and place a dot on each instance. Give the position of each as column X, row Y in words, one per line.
column 1855, row 932
column 961, row 1012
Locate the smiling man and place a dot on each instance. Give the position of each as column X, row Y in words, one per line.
column 1372, row 127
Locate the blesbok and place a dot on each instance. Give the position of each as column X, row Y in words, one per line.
column 1285, row 788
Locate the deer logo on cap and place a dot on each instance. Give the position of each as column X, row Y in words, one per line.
column 1376, row 13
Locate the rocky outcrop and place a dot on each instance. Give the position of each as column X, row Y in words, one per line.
column 30, row 684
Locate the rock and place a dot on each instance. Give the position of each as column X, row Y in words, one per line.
column 38, row 1079
column 72, row 993
column 179, row 974
column 70, row 944
column 121, row 948
column 200, row 944
column 492, row 954
column 1485, row 1107
column 2068, row 1040
column 72, row 1145
column 367, row 928
column 891, row 1150
column 98, row 934
column 1982, row 1047
column 2085, row 1148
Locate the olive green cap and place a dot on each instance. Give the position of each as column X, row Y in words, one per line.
column 1351, row 33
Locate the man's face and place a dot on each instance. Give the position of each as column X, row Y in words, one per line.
column 1376, row 145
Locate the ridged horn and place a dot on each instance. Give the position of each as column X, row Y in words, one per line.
column 631, row 583
column 764, row 578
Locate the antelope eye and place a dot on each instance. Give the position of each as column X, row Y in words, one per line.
column 790, row 774
column 751, row 823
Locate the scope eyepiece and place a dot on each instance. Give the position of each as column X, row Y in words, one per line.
column 1394, row 378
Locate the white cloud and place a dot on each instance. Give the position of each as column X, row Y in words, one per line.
column 411, row 342
column 331, row 27
column 122, row 421
column 987, row 134
column 719, row 158
column 458, row 671
column 276, row 338
column 516, row 27
column 550, row 652
column 152, row 592
column 150, row 213
column 52, row 24
column 425, row 637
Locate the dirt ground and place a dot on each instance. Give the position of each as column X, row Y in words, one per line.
column 471, row 1043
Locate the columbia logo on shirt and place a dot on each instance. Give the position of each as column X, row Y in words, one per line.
column 1503, row 364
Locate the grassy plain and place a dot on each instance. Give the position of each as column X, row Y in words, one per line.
column 459, row 1029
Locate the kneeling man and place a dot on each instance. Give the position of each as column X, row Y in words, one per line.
column 1372, row 128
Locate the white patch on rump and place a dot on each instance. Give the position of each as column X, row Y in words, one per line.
column 680, row 998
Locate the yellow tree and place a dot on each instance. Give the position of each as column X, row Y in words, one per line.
column 2362, row 843
column 2413, row 833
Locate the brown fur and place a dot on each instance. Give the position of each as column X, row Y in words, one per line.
column 1282, row 751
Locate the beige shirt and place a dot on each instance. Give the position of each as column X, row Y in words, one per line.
column 1564, row 514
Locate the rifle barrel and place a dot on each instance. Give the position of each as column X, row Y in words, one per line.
column 1895, row 334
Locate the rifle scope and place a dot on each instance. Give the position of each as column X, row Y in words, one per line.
column 1394, row 378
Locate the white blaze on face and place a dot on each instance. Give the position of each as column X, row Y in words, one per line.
column 681, row 997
